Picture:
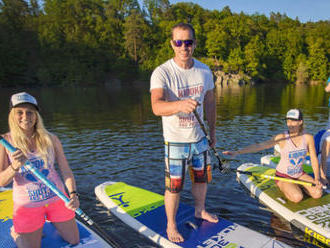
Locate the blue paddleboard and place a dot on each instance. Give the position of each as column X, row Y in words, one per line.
column 144, row 211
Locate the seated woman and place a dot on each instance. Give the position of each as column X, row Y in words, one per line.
column 294, row 145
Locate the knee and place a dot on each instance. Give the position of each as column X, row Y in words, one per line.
column 174, row 185
column 74, row 240
column 296, row 197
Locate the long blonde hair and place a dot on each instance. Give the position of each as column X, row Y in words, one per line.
column 42, row 138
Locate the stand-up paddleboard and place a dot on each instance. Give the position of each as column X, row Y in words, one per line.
column 272, row 161
column 51, row 238
column 310, row 215
column 144, row 211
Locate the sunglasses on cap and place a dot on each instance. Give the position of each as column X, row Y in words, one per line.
column 187, row 43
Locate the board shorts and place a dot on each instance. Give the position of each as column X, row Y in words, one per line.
column 180, row 156
column 27, row 220
column 279, row 174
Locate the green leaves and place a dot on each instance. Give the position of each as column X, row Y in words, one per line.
column 76, row 41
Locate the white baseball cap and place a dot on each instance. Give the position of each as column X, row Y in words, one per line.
column 22, row 97
column 294, row 114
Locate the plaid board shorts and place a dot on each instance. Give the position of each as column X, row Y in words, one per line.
column 180, row 156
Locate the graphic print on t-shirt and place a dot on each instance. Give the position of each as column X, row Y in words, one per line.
column 194, row 92
column 296, row 159
column 37, row 191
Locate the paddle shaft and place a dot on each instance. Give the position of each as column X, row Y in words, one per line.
column 289, row 180
column 208, row 137
column 52, row 187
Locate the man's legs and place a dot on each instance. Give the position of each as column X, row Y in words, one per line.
column 175, row 168
column 199, row 192
column 201, row 174
column 171, row 207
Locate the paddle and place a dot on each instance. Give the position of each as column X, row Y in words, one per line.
column 52, row 187
column 223, row 164
column 289, row 180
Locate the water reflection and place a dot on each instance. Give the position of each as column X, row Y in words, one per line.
column 111, row 134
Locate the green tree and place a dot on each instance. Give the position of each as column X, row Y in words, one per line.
column 154, row 9
column 253, row 52
column 135, row 29
column 317, row 61
column 302, row 69
column 217, row 43
column 235, row 62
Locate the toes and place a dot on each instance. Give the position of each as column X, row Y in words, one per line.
column 174, row 236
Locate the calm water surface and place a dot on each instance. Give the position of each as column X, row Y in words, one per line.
column 111, row 134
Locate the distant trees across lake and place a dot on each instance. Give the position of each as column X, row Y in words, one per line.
column 78, row 42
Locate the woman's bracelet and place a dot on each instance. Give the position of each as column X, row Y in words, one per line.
column 12, row 167
column 73, row 192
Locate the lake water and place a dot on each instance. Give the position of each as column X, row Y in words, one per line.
column 110, row 133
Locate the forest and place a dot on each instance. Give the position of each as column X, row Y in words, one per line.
column 86, row 42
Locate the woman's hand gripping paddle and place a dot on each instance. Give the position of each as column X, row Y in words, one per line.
column 288, row 180
column 28, row 165
column 224, row 165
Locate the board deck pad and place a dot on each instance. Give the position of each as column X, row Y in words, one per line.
column 51, row 238
column 310, row 215
column 144, row 211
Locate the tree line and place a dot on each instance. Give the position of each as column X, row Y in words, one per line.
column 76, row 42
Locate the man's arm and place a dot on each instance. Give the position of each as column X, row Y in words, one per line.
column 210, row 114
column 161, row 107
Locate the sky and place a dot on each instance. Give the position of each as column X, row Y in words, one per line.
column 305, row 10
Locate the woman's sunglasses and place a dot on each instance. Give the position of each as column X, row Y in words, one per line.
column 187, row 43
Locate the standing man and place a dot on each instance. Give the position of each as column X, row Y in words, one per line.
column 178, row 87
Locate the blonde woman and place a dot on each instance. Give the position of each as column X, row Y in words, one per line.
column 33, row 201
column 294, row 145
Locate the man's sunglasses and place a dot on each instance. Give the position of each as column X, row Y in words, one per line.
column 187, row 43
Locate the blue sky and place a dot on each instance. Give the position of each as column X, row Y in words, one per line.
column 305, row 10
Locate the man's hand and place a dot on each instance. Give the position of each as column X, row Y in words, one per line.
column 187, row 106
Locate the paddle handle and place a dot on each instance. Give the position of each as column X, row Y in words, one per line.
column 207, row 137
column 289, row 180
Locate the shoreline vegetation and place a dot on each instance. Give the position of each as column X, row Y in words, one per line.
column 89, row 42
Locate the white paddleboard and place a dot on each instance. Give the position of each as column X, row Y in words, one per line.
column 144, row 211
column 310, row 215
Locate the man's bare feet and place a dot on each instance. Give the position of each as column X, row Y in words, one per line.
column 207, row 216
column 173, row 234
column 13, row 234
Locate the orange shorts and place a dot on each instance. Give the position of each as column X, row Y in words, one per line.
column 27, row 220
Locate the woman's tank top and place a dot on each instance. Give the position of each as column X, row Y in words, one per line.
column 292, row 158
column 28, row 190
